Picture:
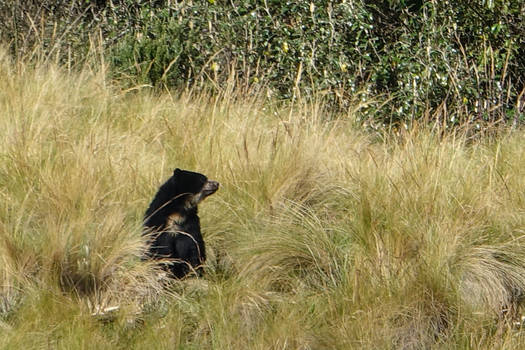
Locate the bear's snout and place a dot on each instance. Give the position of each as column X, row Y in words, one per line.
column 210, row 187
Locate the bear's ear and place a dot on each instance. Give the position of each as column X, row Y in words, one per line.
column 176, row 172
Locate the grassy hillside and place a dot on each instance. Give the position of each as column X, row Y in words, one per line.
column 321, row 236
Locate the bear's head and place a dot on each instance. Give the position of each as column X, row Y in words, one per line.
column 178, row 197
column 191, row 187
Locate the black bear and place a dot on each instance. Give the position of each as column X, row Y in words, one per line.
column 173, row 224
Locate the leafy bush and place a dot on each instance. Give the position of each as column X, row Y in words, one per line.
column 403, row 60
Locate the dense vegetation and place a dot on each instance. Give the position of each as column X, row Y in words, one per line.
column 402, row 60
column 321, row 236
column 324, row 234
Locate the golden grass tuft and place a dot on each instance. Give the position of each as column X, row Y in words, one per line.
column 321, row 236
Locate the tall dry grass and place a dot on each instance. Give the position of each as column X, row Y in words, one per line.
column 321, row 236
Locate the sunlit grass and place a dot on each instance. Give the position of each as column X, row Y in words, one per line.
column 321, row 235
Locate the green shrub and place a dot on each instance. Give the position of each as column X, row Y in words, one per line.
column 441, row 61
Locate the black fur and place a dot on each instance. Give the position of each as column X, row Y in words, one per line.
column 174, row 225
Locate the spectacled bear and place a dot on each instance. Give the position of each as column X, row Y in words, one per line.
column 173, row 224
